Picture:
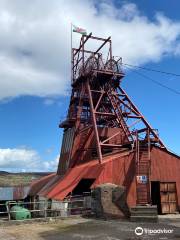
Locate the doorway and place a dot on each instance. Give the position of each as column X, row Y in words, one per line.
column 155, row 195
column 83, row 186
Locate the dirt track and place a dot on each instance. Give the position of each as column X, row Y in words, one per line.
column 79, row 229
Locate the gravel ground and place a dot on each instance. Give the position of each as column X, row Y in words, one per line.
column 89, row 229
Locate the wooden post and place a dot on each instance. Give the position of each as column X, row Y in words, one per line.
column 45, row 208
column 8, row 211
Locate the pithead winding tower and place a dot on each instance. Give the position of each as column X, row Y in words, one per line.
column 102, row 120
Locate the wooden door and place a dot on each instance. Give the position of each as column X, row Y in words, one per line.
column 168, row 196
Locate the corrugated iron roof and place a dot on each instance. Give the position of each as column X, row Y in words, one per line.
column 59, row 187
column 37, row 185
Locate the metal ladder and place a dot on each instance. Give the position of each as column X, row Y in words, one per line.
column 142, row 172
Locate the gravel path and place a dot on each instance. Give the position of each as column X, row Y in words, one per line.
column 90, row 229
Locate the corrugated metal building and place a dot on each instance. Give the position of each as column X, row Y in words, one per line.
column 13, row 193
column 107, row 140
column 119, row 169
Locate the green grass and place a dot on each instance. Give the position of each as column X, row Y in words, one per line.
column 18, row 179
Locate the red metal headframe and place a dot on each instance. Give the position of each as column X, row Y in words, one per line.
column 98, row 102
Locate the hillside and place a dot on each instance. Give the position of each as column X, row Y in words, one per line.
column 17, row 179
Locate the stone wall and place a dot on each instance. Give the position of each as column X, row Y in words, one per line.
column 109, row 201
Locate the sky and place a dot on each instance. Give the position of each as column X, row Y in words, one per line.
column 35, row 69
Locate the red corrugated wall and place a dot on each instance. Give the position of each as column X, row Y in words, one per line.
column 165, row 167
column 120, row 170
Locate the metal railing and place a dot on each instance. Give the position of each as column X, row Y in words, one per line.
column 77, row 205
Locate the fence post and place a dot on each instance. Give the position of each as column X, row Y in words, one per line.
column 8, row 211
column 45, row 208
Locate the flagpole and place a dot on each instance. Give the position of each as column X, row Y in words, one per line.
column 71, row 56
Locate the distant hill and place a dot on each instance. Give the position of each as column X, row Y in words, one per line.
column 19, row 179
column 31, row 173
column 3, row 172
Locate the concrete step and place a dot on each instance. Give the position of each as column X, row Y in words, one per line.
column 144, row 214
column 144, row 218
column 144, row 209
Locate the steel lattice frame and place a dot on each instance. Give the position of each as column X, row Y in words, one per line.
column 98, row 100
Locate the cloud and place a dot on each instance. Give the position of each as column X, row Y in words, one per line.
column 51, row 165
column 49, row 101
column 18, row 159
column 35, row 40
